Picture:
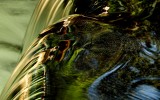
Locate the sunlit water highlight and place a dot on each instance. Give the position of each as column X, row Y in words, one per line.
column 88, row 57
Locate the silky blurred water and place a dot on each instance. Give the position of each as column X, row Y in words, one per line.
column 14, row 19
column 92, row 54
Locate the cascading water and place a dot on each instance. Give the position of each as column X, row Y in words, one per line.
column 101, row 50
column 46, row 13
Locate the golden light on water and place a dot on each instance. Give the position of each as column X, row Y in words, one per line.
column 25, row 83
column 105, row 11
column 93, row 52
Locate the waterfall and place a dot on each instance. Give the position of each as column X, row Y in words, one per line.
column 14, row 17
column 89, row 50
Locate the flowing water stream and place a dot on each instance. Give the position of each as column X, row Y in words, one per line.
column 14, row 17
column 89, row 50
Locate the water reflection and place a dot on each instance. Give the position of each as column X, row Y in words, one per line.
column 91, row 57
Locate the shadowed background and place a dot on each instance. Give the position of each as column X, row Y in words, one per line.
column 14, row 18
